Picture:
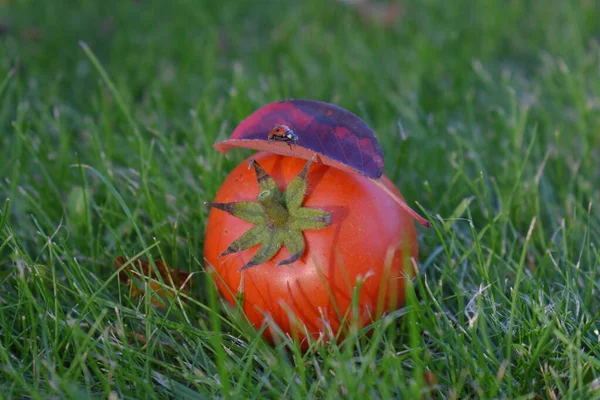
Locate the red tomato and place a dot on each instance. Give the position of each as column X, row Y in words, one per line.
column 369, row 239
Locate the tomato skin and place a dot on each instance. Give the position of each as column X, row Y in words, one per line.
column 368, row 230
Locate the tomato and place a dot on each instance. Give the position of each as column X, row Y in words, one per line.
column 371, row 239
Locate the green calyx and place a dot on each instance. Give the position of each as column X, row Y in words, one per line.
column 279, row 218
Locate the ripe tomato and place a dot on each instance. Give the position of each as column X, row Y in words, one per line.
column 370, row 238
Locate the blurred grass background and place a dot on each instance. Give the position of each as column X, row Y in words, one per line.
column 488, row 113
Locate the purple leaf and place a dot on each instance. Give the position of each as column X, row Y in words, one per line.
column 301, row 128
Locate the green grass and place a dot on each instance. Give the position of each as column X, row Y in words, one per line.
column 489, row 114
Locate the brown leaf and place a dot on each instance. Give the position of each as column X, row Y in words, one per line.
column 430, row 379
column 386, row 14
column 32, row 33
column 172, row 279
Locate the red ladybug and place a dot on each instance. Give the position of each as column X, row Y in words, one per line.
column 283, row 133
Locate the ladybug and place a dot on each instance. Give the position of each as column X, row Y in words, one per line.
column 283, row 133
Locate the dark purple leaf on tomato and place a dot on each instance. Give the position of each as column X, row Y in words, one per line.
column 340, row 138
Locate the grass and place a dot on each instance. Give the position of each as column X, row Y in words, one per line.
column 489, row 114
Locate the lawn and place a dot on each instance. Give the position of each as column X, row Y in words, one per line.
column 489, row 116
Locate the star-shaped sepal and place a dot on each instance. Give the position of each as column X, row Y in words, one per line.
column 279, row 218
